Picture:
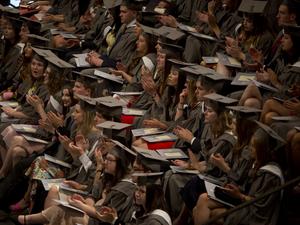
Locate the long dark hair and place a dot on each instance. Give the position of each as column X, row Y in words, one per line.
column 154, row 198
column 244, row 131
column 264, row 147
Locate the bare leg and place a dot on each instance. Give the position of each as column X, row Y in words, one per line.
column 202, row 211
column 221, row 69
column 32, row 219
column 52, row 194
column 251, row 97
column 269, row 117
column 7, row 164
column 272, row 105
column 18, row 153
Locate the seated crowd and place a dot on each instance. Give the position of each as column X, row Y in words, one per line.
column 150, row 112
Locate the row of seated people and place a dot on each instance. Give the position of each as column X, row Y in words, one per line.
column 120, row 112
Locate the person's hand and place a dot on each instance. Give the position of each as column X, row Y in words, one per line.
column 94, row 60
column 57, row 120
column 231, row 42
column 122, row 67
column 256, row 55
column 64, row 140
column 146, row 73
column 119, row 73
column 107, row 214
column 154, row 123
column 293, row 105
column 46, row 125
column 262, row 76
column 76, row 201
column 235, row 52
column 98, row 156
column 73, row 184
column 93, row 53
column 148, row 85
column 35, row 101
column 234, row 191
column 81, row 141
column 168, row 20
column 181, row 163
column 183, row 134
column 195, row 164
column 219, row 161
column 183, row 96
column 9, row 111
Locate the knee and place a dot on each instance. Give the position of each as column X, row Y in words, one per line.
column 18, row 152
column 17, row 140
column 269, row 117
column 253, row 103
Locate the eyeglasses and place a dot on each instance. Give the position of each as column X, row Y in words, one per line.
column 109, row 159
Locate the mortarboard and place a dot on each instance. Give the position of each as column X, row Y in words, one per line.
column 253, row 7
column 144, row 179
column 109, row 106
column 151, row 160
column 271, row 133
column 112, row 3
column 219, row 102
column 34, row 26
column 245, row 112
column 125, row 154
column 292, row 30
column 167, row 47
column 87, row 103
column 38, row 41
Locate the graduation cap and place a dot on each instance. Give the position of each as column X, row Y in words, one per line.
column 8, row 11
column 144, row 179
column 112, row 3
column 87, row 103
column 125, row 154
column 172, row 50
column 270, row 132
column 16, row 23
column 219, row 102
column 55, row 60
column 253, row 7
column 109, row 106
column 34, row 26
column 152, row 160
column 135, row 5
column 292, row 30
column 179, row 63
column 38, row 41
column 245, row 112
column 86, row 79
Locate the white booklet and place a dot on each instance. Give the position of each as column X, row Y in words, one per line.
column 265, row 86
column 210, row 188
column 48, row 183
column 9, row 103
column 25, row 128
column 146, row 131
column 108, row 76
column 57, row 161
column 133, row 112
column 80, row 60
column 66, row 204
